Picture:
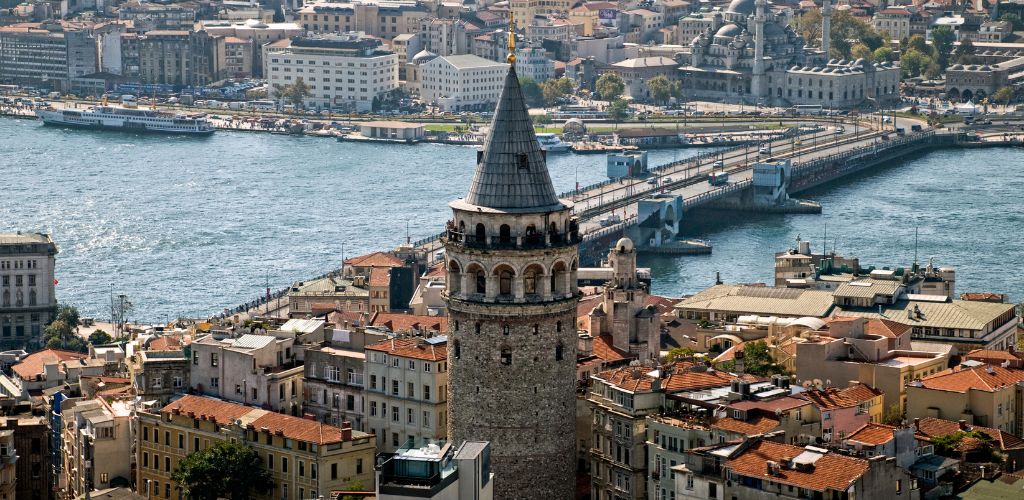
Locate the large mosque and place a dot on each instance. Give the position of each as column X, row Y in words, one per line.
column 748, row 54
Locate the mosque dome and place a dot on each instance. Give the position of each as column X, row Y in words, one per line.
column 423, row 56
column 774, row 30
column 729, row 31
column 745, row 7
column 624, row 245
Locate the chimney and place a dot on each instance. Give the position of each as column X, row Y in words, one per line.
column 718, row 278
column 585, row 345
column 917, row 424
column 738, row 362
column 963, row 425
column 346, row 431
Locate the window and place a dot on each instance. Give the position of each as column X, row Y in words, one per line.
column 411, row 416
column 284, row 464
column 373, row 382
column 213, row 359
column 426, row 366
column 411, row 390
column 195, row 358
column 395, row 362
column 506, row 355
column 394, row 414
column 312, row 470
column 302, row 468
column 426, row 419
column 181, row 441
column 215, row 382
column 373, row 408
column 394, row 387
column 359, row 466
column 426, row 393
column 689, row 481
column 334, row 471
column 412, row 365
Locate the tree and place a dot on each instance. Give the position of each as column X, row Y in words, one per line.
column 893, row 416
column 942, row 39
column 297, row 92
column 277, row 93
column 808, row 25
column 100, row 337
column 679, row 353
column 1013, row 19
column 757, row 359
column 918, row 43
column 224, row 470
column 913, row 63
column 618, row 110
column 661, row 89
column 861, row 51
column 846, row 27
column 353, row 485
column 677, row 90
column 610, row 87
column 69, row 315
column 1003, row 95
column 932, row 72
column 964, row 52
column 542, row 119
column 531, row 92
column 882, row 54
column 555, row 89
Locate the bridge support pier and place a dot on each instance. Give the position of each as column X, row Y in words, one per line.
column 769, row 192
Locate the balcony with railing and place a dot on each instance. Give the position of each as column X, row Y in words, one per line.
column 528, row 241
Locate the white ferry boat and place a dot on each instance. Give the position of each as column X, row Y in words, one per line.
column 552, row 144
column 127, row 119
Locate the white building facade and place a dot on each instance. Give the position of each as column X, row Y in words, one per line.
column 344, row 72
column 27, row 298
column 462, row 83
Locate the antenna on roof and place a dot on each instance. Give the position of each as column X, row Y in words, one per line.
column 915, row 246
column 408, row 239
column 824, row 241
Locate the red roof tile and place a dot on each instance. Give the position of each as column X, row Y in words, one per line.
column 860, row 392
column 982, row 378
column 872, row 434
column 375, row 259
column 779, row 404
column 831, row 471
column 33, row 364
column 928, row 428
column 828, row 399
column 380, row 276
column 397, row 322
column 604, row 349
column 412, row 348
column 752, row 427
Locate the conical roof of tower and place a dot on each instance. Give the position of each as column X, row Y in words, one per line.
column 512, row 172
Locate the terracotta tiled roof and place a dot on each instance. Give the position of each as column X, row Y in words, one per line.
column 380, row 276
column 934, row 427
column 860, row 392
column 831, row 471
column 729, row 354
column 885, row 328
column 375, row 259
column 436, row 271
column 291, row 427
column 397, row 322
column 683, row 376
column 983, row 296
column 633, row 379
column 778, row 404
column 604, row 349
column 662, row 304
column 164, row 343
column 872, row 434
column 753, row 427
column 33, row 364
column 828, row 399
column 982, row 378
column 412, row 348
column 996, row 357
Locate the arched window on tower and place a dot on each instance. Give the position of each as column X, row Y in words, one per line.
column 458, row 349
column 531, row 279
column 504, row 234
column 558, row 352
column 455, row 277
column 558, row 327
column 505, row 282
column 476, row 327
column 481, row 281
column 481, row 234
column 504, row 329
column 506, row 355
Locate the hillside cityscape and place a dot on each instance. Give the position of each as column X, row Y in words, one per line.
column 539, row 328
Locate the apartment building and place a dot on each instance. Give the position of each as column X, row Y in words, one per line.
column 159, row 375
column 981, row 394
column 97, row 444
column 407, row 391
column 383, row 19
column 32, row 446
column 331, row 293
column 894, row 21
column 254, row 31
column 27, row 298
column 34, row 54
column 306, row 459
column 462, row 83
column 47, row 369
column 8, row 458
column 179, row 57
column 259, row 370
column 334, row 385
column 343, row 71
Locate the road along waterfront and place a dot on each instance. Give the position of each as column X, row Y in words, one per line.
column 186, row 225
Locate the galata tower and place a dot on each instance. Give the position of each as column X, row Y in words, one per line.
column 511, row 250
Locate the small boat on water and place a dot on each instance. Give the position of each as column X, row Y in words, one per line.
column 127, row 120
column 552, row 144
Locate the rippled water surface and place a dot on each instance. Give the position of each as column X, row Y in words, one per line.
column 187, row 226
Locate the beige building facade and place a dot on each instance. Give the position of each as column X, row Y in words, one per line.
column 407, row 392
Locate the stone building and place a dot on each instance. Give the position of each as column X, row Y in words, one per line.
column 179, row 57
column 27, row 299
column 32, row 444
column 8, row 458
column 159, row 374
column 512, row 255
column 333, row 385
column 623, row 313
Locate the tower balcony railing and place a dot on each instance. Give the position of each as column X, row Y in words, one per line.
column 532, row 241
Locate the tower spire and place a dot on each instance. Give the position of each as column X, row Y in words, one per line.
column 511, row 58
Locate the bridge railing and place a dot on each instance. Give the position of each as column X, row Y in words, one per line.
column 593, row 235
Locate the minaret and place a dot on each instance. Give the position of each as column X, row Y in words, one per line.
column 511, row 252
column 757, row 75
column 826, row 27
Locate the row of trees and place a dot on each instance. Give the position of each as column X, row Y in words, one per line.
column 546, row 93
column 62, row 332
column 294, row 94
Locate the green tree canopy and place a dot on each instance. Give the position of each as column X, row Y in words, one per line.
column 661, row 89
column 1003, row 95
column 918, row 43
column 963, row 51
column 882, row 54
column 679, row 353
column 619, row 110
column 808, row 25
column 531, row 92
column 100, row 337
column 297, row 92
column 846, row 27
column 913, row 63
column 757, row 359
column 861, row 51
column 893, row 416
column 69, row 315
column 224, row 470
column 556, row 88
column 942, row 39
column 610, row 87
